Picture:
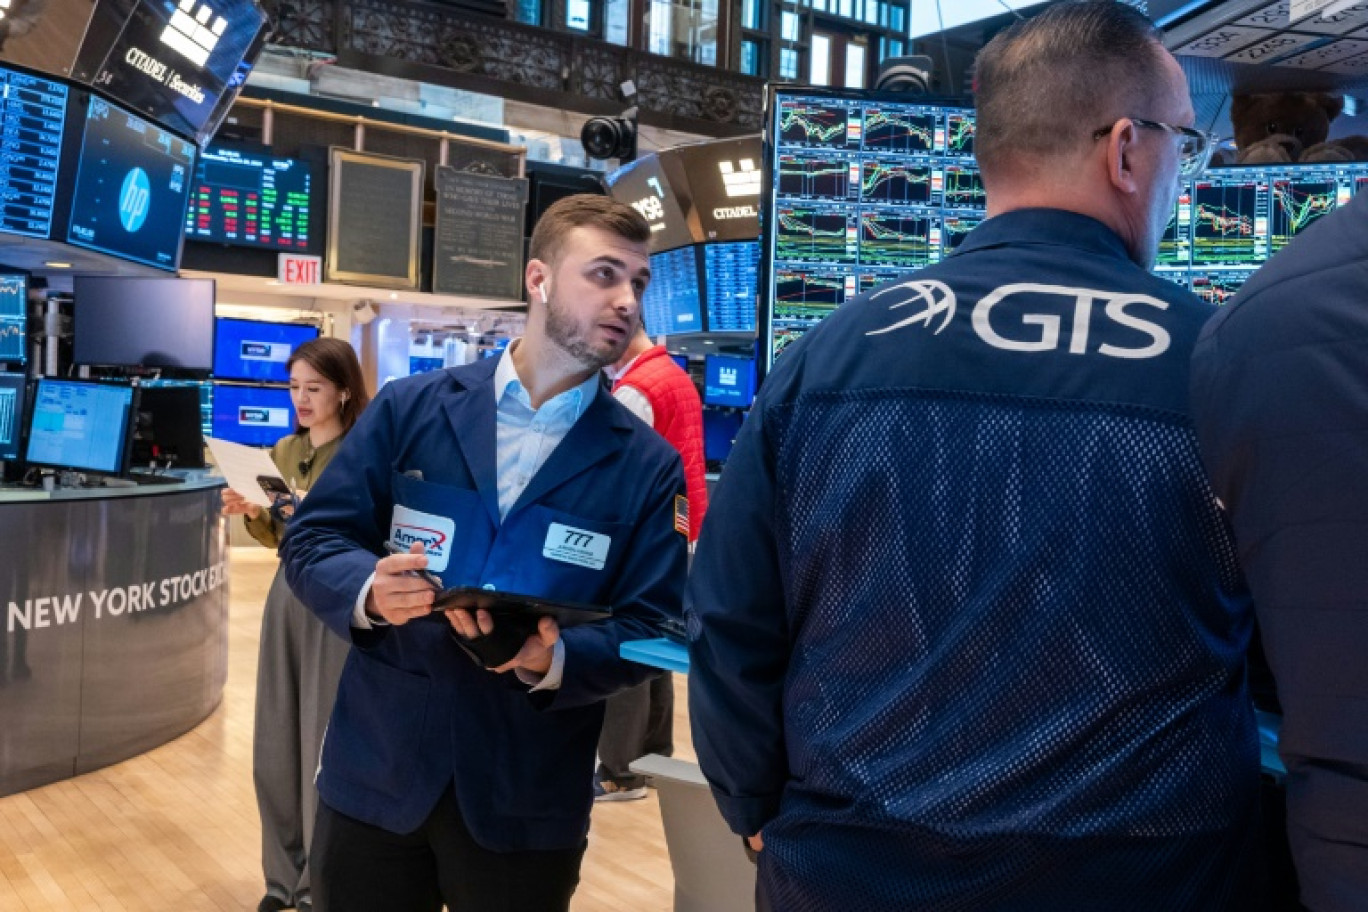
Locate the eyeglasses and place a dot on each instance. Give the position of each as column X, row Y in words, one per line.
column 1194, row 146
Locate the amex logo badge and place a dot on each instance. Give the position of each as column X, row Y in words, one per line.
column 191, row 33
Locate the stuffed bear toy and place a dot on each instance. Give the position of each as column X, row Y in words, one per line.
column 1291, row 127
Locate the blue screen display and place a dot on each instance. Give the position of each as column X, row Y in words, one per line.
column 673, row 302
column 132, row 183
column 731, row 276
column 13, row 317
column 256, row 349
column 728, row 381
column 11, row 414
column 32, row 116
column 78, row 425
column 252, row 415
column 719, row 431
column 682, row 361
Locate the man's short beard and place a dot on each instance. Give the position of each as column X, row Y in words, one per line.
column 561, row 334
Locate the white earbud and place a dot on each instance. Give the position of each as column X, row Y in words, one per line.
column 541, row 287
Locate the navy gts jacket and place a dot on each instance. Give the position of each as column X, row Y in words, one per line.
column 966, row 627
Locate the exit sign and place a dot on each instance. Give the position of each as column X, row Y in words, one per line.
column 297, row 269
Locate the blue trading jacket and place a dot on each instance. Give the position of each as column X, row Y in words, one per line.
column 966, row 627
column 1280, row 400
column 413, row 713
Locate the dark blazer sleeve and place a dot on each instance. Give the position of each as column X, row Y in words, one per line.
column 648, row 590
column 332, row 543
column 738, row 638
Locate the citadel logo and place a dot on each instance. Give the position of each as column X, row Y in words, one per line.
column 937, row 300
column 741, row 179
column 190, row 33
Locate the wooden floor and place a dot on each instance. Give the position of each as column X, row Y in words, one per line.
column 177, row 827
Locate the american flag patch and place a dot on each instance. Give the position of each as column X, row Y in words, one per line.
column 682, row 515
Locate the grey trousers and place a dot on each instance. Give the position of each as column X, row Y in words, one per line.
column 300, row 664
column 636, row 722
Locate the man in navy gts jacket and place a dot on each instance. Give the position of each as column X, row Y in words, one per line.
column 966, row 628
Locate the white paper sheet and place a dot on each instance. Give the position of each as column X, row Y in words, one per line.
column 241, row 465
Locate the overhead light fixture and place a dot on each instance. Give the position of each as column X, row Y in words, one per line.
column 57, row 264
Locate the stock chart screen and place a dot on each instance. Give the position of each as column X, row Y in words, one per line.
column 251, row 200
column 32, row 115
column 13, row 317
column 863, row 189
column 1229, row 221
column 1228, row 228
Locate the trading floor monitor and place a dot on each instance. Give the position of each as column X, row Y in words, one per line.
column 13, row 388
column 80, row 425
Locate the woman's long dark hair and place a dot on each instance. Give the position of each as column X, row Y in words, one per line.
column 336, row 361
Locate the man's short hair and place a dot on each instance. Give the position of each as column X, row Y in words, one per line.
column 602, row 212
column 1045, row 84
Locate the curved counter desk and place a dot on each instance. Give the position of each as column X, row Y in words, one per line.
column 115, row 629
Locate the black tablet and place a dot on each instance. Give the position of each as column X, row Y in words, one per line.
column 511, row 604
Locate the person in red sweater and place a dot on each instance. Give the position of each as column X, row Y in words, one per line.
column 640, row 721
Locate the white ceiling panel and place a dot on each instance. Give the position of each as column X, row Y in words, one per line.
column 1274, row 16
column 1350, row 66
column 1275, row 46
column 1341, row 23
column 1318, row 57
column 1222, row 42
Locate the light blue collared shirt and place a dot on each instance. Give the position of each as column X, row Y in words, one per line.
column 525, row 437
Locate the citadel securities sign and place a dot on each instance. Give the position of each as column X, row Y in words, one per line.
column 180, row 62
column 163, row 73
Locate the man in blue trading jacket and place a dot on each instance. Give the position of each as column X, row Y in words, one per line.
column 1280, row 401
column 441, row 781
column 966, row 627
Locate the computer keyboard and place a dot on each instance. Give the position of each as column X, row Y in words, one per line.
column 147, row 478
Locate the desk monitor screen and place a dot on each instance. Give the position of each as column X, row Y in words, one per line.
column 256, row 349
column 728, row 381
column 80, row 425
column 252, row 415
column 13, row 388
column 132, row 182
column 673, row 302
column 719, row 433
column 167, row 427
column 135, row 322
column 13, row 317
